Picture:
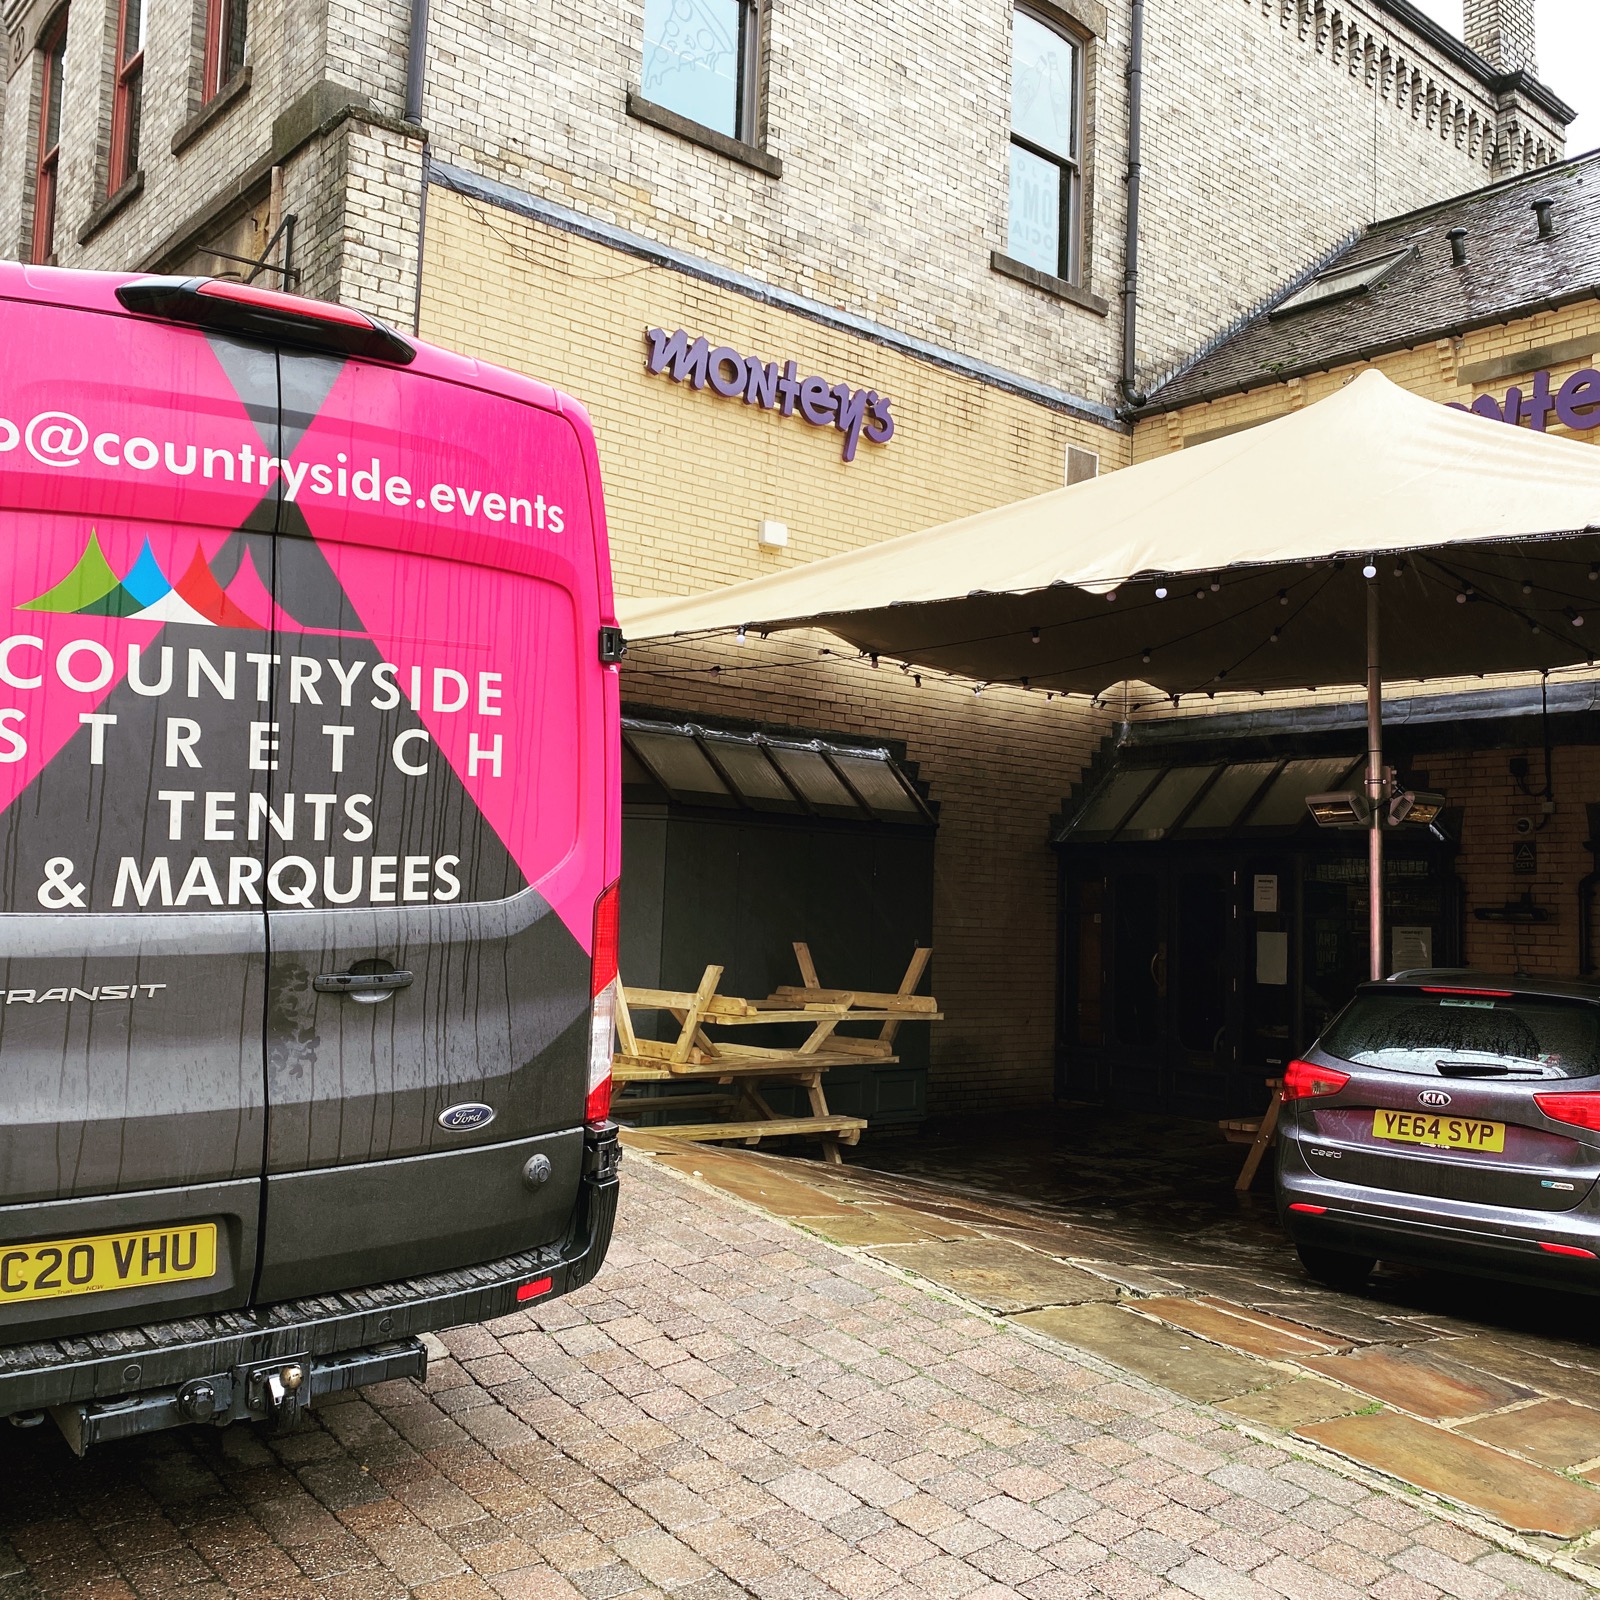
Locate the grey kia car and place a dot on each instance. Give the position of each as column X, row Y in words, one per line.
column 1449, row 1119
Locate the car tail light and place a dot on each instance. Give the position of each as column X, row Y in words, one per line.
column 1488, row 994
column 1300, row 1205
column 266, row 314
column 1566, row 1250
column 532, row 1291
column 1303, row 1081
column 1582, row 1110
column 603, row 1003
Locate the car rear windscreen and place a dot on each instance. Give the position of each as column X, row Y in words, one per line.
column 1468, row 1035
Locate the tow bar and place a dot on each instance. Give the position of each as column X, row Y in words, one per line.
column 277, row 1393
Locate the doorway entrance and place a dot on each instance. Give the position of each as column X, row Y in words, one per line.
column 1197, row 961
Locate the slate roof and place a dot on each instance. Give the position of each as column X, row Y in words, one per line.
column 1510, row 272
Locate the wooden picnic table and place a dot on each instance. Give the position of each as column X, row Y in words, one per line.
column 740, row 1072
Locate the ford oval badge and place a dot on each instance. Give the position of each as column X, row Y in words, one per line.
column 1428, row 1097
column 464, row 1118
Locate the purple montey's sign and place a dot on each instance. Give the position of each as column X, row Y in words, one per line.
column 856, row 413
column 1576, row 403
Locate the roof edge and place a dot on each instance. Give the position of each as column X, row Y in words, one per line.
column 1388, row 347
column 1463, row 55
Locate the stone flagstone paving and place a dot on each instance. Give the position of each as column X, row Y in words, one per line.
column 734, row 1408
column 1469, row 1427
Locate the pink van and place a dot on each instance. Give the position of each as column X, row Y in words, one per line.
column 309, row 842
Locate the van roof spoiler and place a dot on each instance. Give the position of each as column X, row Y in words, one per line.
column 243, row 309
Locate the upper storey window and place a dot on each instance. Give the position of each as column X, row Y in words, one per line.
column 226, row 29
column 1046, row 142
column 699, row 61
column 53, row 61
column 127, row 103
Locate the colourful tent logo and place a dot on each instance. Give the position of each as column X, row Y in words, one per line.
column 146, row 594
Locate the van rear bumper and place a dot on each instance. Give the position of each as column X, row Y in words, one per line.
column 123, row 1361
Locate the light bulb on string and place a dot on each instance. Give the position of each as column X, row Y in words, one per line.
column 738, row 638
column 1283, row 597
column 1370, row 570
column 1575, row 617
column 1033, row 635
column 1161, row 590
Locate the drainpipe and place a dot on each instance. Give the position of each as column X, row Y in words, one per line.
column 416, row 60
column 1130, row 247
column 416, row 71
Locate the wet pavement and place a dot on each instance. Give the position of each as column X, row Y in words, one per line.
column 735, row 1407
column 1123, row 1236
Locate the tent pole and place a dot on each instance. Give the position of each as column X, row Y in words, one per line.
column 1374, row 787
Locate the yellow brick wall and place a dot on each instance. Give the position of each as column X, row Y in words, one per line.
column 688, row 477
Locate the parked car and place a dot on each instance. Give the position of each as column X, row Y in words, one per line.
column 1449, row 1119
column 309, row 823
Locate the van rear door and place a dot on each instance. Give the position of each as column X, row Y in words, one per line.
column 132, row 976
column 434, row 826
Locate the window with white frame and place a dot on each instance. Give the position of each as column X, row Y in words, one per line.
column 701, row 60
column 1046, row 145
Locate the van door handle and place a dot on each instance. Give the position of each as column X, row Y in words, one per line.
column 360, row 983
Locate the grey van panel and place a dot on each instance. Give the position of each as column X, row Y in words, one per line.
column 345, row 1227
column 234, row 1207
column 497, row 1014
column 103, row 1094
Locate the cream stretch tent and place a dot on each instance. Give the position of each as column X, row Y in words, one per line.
column 1278, row 557
column 1246, row 536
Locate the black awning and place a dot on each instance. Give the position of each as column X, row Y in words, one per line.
column 695, row 765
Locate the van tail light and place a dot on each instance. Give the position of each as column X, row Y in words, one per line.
column 1582, row 1110
column 603, row 1004
column 1303, row 1081
column 266, row 314
column 1310, row 1210
column 1565, row 1250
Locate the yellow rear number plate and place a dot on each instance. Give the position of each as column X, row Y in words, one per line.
column 48, row 1270
column 1443, row 1133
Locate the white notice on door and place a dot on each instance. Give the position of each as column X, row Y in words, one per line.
column 1266, row 892
column 1410, row 947
column 1272, row 957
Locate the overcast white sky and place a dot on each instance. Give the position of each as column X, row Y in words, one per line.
column 1569, row 57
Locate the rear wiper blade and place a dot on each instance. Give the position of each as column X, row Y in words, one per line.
column 1472, row 1069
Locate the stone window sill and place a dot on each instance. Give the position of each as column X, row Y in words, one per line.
column 109, row 207
column 708, row 138
column 233, row 91
column 1047, row 284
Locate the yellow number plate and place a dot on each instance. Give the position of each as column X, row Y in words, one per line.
column 56, row 1267
column 1443, row 1133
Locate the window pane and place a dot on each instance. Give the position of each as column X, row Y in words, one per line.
column 1226, row 798
column 691, row 60
column 1035, row 231
column 875, row 782
column 1044, row 84
column 810, row 773
column 135, row 92
column 1111, row 802
column 55, row 62
column 681, row 766
column 754, row 776
column 1284, row 804
column 132, row 29
column 236, row 23
column 1166, row 801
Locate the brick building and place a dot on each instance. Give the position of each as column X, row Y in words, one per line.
column 924, row 205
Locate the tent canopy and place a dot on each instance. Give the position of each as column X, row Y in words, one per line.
column 1236, row 564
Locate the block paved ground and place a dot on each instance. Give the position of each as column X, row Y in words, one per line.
column 734, row 1407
